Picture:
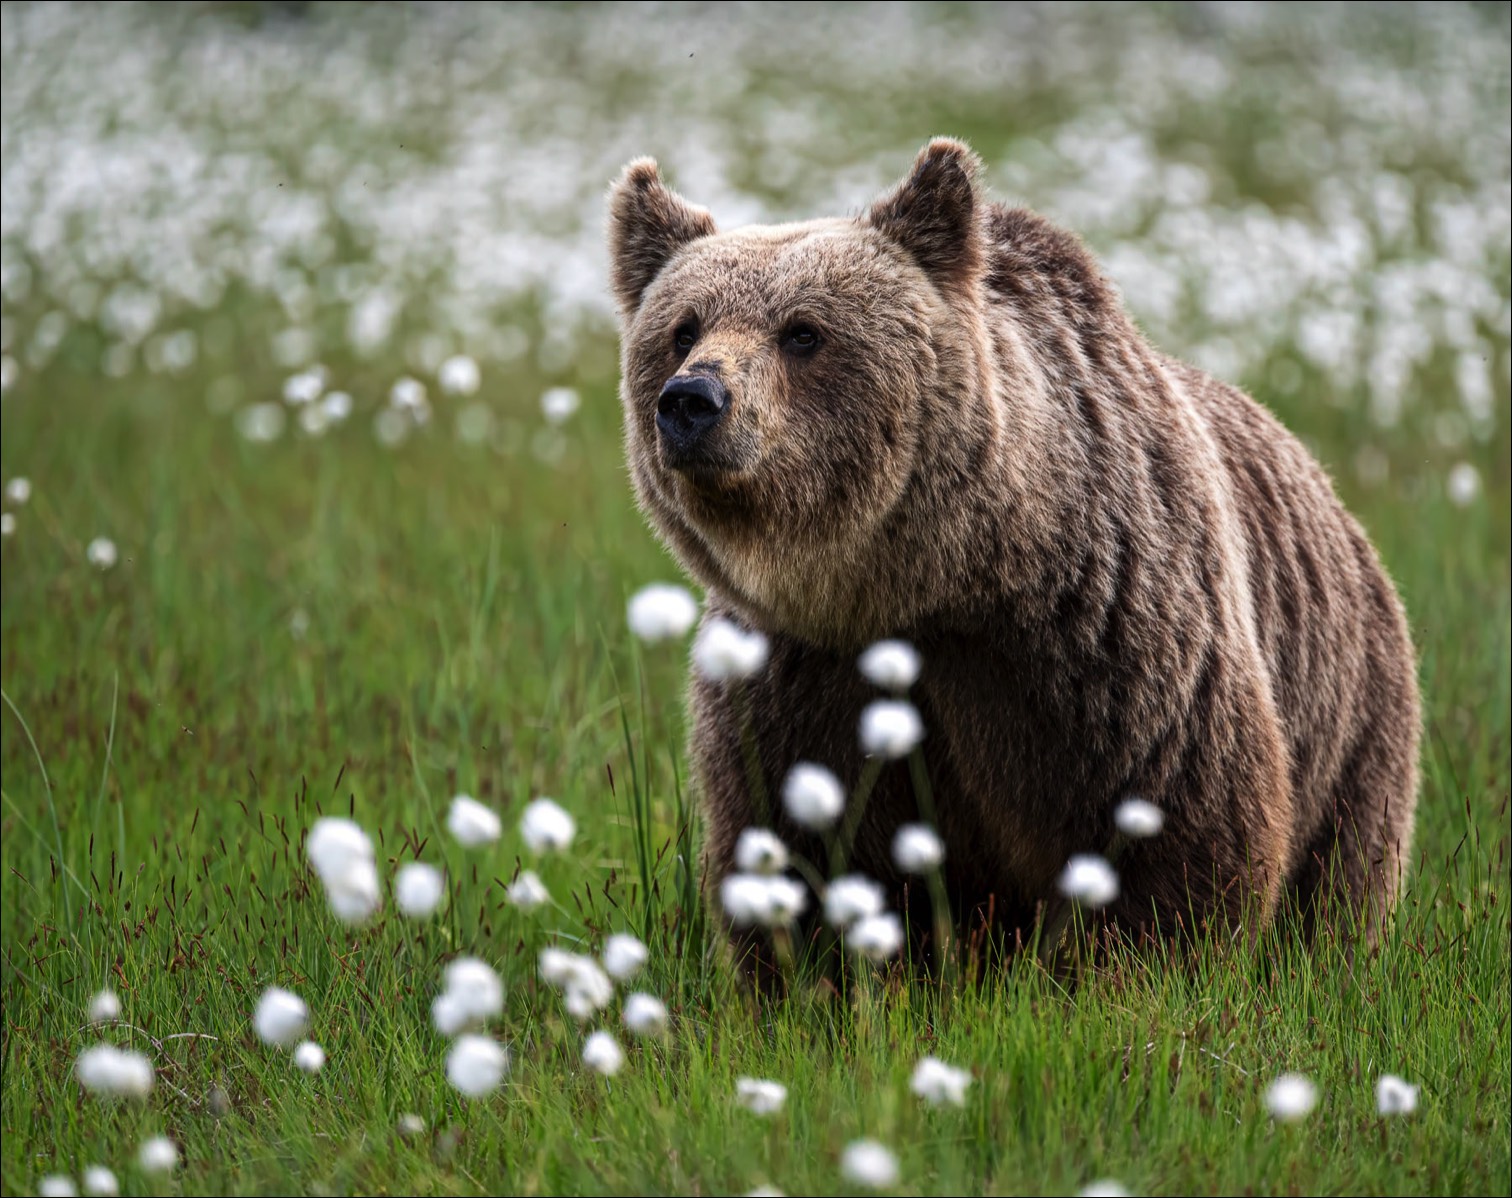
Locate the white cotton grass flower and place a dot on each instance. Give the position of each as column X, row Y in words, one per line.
column 851, row 898
column 410, row 1125
column 877, row 937
column 624, row 956
column 336, row 406
column 1395, row 1095
column 98, row 1179
column 892, row 665
column 868, row 1163
column 114, row 1072
column 1105, row 1187
column 158, row 1155
column 917, row 849
column 476, row 1065
column 1089, row 880
column 1464, row 484
column 725, row 651
column 309, row 1056
column 104, row 1007
column 602, row 1054
column 891, row 728
column 102, row 553
column 18, row 490
column 765, row 1192
column 1139, row 819
column 459, row 375
column 940, row 1084
column 760, row 1095
column 7, row 524
column 661, row 612
column 585, row 987
column 812, row 796
column 559, row 403
column 305, row 387
column 334, row 843
column 261, row 423
column 1291, row 1097
column 281, row 1018
column 471, row 823
column 546, row 827
column 56, row 1185
column 759, row 899
column 471, row 994
column 418, row 889
column 527, row 892
column 645, row 1015
column 759, row 851
column 408, row 395
column 354, row 895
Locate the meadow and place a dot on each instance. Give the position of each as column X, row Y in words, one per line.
column 315, row 505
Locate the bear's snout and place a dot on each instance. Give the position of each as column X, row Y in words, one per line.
column 687, row 411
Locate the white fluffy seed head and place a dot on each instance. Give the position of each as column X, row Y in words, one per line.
column 408, row 394
column 812, row 796
column 645, row 1015
column 757, row 899
column 1103, row 1188
column 868, row 1163
column 55, row 1185
column 724, row 651
column 602, row 1054
column 892, row 665
column 7, row 524
column 850, row 898
column 281, row 1017
column 1463, row 484
column 309, row 1057
column 101, row 553
column 940, row 1084
column 1139, row 819
column 624, row 956
column 104, row 1007
column 527, row 892
column 114, row 1072
column 100, row 1180
column 471, row 994
column 476, row 1065
column 1395, row 1095
column 1291, row 1097
column 559, row 403
column 158, row 1155
column 411, row 1125
column 546, row 827
column 354, row 895
column 917, row 849
column 661, row 612
column 18, row 490
column 890, row 728
column 459, row 375
column 471, row 823
column 586, row 988
column 759, row 851
column 1089, row 880
column 877, row 937
column 334, row 844
column 759, row 1095
column 418, row 889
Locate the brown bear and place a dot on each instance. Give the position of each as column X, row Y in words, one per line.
column 936, row 422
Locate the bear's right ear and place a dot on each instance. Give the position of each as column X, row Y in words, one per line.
column 933, row 214
column 648, row 223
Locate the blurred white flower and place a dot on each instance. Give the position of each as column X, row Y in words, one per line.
column 18, row 490
column 1139, row 819
column 1395, row 1096
column 771, row 902
column 299, row 623
column 940, row 1084
column 585, row 987
column 645, row 1015
column 9, row 372
column 1464, row 484
column 759, row 851
column 281, row 1017
column 104, row 1007
column 1291, row 1097
column 55, row 1185
column 411, row 1125
column 602, row 1054
column 261, row 422
column 309, row 1057
column 624, row 956
column 724, row 651
column 765, row 1192
column 1103, row 1188
column 476, row 1065
column 1090, row 880
column 661, row 612
column 868, row 1163
column 7, row 524
column 459, row 375
column 527, row 892
column 471, row 994
column 892, row 665
column 117, row 1072
column 876, row 937
column 850, row 898
column 100, row 1180
column 158, row 1155
column 391, row 427
column 312, row 420
column 101, row 553
column 760, row 1096
column 917, row 849
column 546, row 827
column 558, row 404
column 334, row 843
column 305, row 387
column 890, row 728
column 336, row 406
column 418, row 889
column 472, row 823
column 812, row 796
column 355, row 894
column 408, row 395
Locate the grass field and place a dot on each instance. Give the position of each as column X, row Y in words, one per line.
column 369, row 615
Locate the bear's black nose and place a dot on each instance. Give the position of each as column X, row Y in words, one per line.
column 689, row 407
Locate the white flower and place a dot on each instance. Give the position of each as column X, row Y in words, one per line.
column 408, row 394
column 527, row 892
column 449, row 1015
column 851, row 898
column 1464, row 484
column 812, row 796
column 557, row 966
column 309, row 1056
column 938, row 1083
column 759, row 851
column 106, row 1069
column 724, row 651
column 476, row 1065
column 475, row 993
column 877, row 937
column 1138, row 819
column 586, row 988
column 917, row 849
column 101, row 553
column 757, row 899
column 892, row 665
column 305, row 387
column 411, row 1125
column 546, row 827
column 18, row 490
column 623, row 956
column 760, row 1096
column 558, row 404
column 336, row 407
column 1103, row 1188
column 354, row 895
column 1395, row 1096
column 890, row 728
column 1089, row 880
column 472, row 823
column 765, row 1192
column 602, row 1054
column 158, row 1155
column 7, row 524
column 100, row 1180
column 55, row 1185
column 459, row 375
column 334, row 844
column 281, row 1017
column 1290, row 1097
column 418, row 889
column 868, row 1163
column 645, row 1015
column 661, row 612
column 104, row 1007
column 261, row 422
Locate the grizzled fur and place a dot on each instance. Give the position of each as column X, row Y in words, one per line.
column 1125, row 577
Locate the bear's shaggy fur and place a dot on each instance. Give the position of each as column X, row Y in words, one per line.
column 1125, row 577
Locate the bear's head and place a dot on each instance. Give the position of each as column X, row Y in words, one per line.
column 788, row 390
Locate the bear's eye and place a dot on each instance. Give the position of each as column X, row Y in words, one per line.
column 801, row 340
column 686, row 337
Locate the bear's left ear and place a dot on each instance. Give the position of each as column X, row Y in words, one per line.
column 934, row 213
column 648, row 223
